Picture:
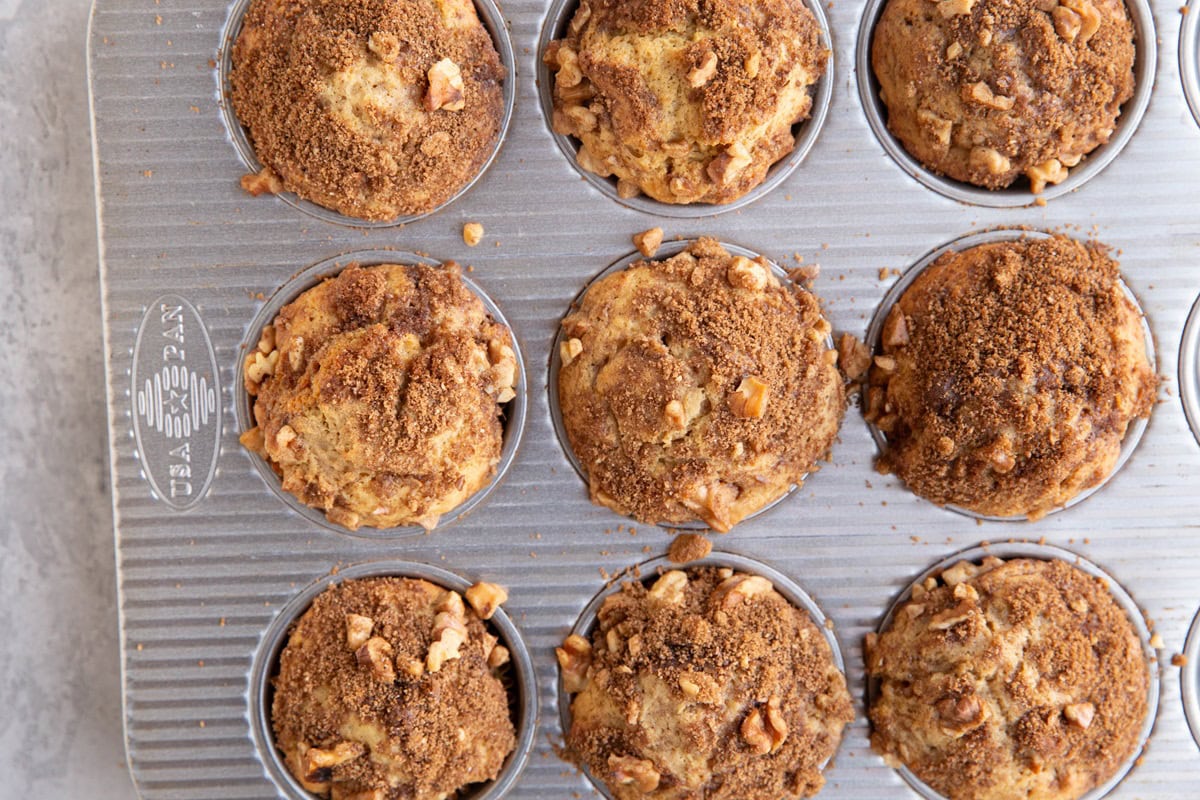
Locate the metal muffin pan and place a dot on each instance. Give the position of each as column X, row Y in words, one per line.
column 207, row 556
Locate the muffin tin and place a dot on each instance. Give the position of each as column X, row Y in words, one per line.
column 209, row 559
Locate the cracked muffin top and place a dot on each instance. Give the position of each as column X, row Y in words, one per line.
column 1009, row 679
column 686, row 101
column 391, row 689
column 987, row 91
column 378, row 394
column 1008, row 375
column 698, row 387
column 373, row 108
column 710, row 684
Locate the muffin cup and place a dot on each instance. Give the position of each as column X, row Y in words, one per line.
column 1189, row 679
column 1133, row 433
column 648, row 571
column 523, row 693
column 667, row 250
column 1189, row 370
column 1189, row 56
column 492, row 19
column 1018, row 195
column 514, row 411
column 555, row 27
column 1012, row 550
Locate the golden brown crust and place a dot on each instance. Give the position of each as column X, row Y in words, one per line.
column 336, row 97
column 1018, row 679
column 685, row 101
column 708, row 684
column 358, row 707
column 697, row 387
column 378, row 394
column 1009, row 375
column 985, row 91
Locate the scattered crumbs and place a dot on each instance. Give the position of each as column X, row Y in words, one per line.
column 179, row 586
column 470, row 267
column 1042, row 541
column 688, row 547
column 200, row 663
column 537, row 536
column 868, row 483
column 806, row 273
column 532, row 554
column 1087, row 541
column 1156, row 641
column 632, row 531
column 1040, row 202
column 1183, row 10
column 915, row 539
column 158, row 19
column 147, row 173
column 605, row 553
column 212, row 64
column 829, row 623
column 170, row 43
column 646, row 549
column 978, row 522
column 883, row 273
column 883, row 502
column 221, row 622
column 139, row 647
column 497, row 243
column 202, row 723
column 824, row 245
column 1179, row 660
column 605, row 574
column 266, row 603
column 472, row 234
column 194, row 109
column 648, row 241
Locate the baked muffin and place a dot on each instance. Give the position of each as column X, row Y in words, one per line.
column 1008, row 375
column 687, row 102
column 1009, row 679
column 390, row 689
column 985, row 91
column 374, row 108
column 697, row 387
column 378, row 395
column 708, row 684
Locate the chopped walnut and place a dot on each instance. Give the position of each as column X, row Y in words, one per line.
column 259, row 366
column 728, row 165
column 749, row 401
column 953, row 51
column 688, row 686
column 895, row 329
column 734, row 591
column 569, row 350
column 504, row 369
column 497, row 657
column 358, row 630
column 981, row 93
column 265, row 181
column 316, row 759
column 284, row 436
column 1080, row 714
column 637, row 771
column 765, row 732
column 853, row 357
column 956, row 574
column 990, row 159
column 485, row 598
column 698, row 76
column 938, row 126
column 668, row 589
column 954, row 8
column 944, row 620
column 574, row 658
column 445, row 648
column 569, row 74
column 648, row 241
column 745, row 273
column 961, row 713
column 1051, row 171
column 376, row 653
column 886, row 364
column 445, row 87
column 1089, row 20
column 472, row 234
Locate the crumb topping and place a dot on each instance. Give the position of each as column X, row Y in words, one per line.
column 687, row 547
column 704, row 684
column 1008, row 375
column 1009, row 679
column 374, row 108
column 697, row 387
column 685, row 101
column 364, row 717
column 986, row 91
column 379, row 393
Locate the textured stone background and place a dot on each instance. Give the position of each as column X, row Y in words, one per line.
column 60, row 705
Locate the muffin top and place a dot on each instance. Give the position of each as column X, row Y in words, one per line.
column 1008, row 376
column 985, row 91
column 1009, row 679
column 388, row 689
column 378, row 394
column 697, row 387
column 707, row 684
column 685, row 101
column 372, row 108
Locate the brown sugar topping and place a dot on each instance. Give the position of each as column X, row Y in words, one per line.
column 374, row 108
column 687, row 547
column 697, row 387
column 986, row 91
column 1006, row 679
column 367, row 715
column 1008, row 376
column 705, row 683
column 378, row 394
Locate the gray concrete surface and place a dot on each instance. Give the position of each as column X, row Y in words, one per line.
column 60, row 707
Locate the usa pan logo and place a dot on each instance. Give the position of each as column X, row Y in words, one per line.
column 176, row 402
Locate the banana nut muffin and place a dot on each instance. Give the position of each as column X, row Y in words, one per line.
column 682, row 100
column 709, row 684
column 1008, row 375
column 390, row 689
column 373, row 108
column 1009, row 679
column 697, row 387
column 985, row 91
column 378, row 394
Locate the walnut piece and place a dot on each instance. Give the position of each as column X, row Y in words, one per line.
column 1051, row 171
column 358, row 630
column 990, row 159
column 853, row 357
column 485, row 598
column 265, row 181
column 259, row 366
column 728, row 165
column 668, row 589
column 981, row 93
column 895, row 329
column 472, row 234
column 1080, row 714
column 749, row 401
column 954, row 8
column 317, row 760
column 376, row 653
column 1089, row 20
column 574, row 658
column 445, row 87
column 698, row 76
column 569, row 350
column 648, row 241
column 745, row 273
column 765, row 732
column 739, row 589
column 637, row 771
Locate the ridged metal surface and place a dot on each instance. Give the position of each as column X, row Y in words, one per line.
column 199, row 588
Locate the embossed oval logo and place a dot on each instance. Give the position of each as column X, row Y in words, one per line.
column 176, row 402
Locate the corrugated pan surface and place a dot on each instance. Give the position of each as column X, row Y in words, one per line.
column 205, row 564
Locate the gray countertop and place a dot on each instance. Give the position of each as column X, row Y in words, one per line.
column 60, row 729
